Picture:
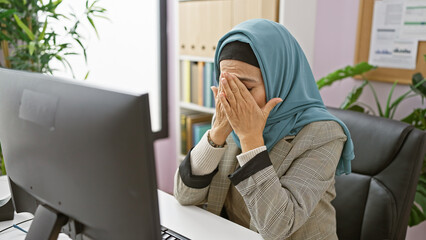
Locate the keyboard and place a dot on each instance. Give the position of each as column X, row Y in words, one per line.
column 171, row 235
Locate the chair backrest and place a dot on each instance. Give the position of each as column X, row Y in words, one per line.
column 374, row 201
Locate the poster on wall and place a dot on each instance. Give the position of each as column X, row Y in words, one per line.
column 388, row 47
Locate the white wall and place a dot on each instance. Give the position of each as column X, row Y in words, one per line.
column 299, row 18
column 127, row 54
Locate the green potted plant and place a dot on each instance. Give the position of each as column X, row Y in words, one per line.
column 417, row 118
column 29, row 42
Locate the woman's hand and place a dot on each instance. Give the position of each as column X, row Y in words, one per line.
column 247, row 119
column 221, row 127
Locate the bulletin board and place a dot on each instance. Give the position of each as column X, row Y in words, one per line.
column 362, row 48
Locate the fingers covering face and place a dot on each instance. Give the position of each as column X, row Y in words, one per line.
column 238, row 89
column 229, row 93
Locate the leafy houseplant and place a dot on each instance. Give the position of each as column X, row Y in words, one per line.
column 29, row 42
column 417, row 118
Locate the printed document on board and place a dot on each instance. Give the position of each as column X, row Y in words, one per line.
column 414, row 20
column 387, row 47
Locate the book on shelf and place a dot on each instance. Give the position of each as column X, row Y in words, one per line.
column 200, row 80
column 195, row 81
column 198, row 131
column 185, row 81
column 209, row 82
column 192, row 126
column 183, row 148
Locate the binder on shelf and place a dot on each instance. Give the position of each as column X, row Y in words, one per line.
column 190, row 121
column 194, row 82
column 183, row 148
column 198, row 131
column 201, row 24
column 182, row 81
column 213, row 83
column 209, row 82
column 200, row 80
column 206, row 84
column 187, row 80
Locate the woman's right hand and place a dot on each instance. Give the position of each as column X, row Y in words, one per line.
column 221, row 127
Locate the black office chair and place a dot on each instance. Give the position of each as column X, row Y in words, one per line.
column 374, row 201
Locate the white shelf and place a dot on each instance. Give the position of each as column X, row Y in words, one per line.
column 198, row 108
column 196, row 58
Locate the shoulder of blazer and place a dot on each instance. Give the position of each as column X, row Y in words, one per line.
column 319, row 133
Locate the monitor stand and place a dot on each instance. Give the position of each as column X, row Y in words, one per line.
column 46, row 225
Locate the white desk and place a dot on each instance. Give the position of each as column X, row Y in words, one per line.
column 198, row 224
column 190, row 221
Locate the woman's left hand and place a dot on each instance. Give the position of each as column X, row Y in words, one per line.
column 247, row 119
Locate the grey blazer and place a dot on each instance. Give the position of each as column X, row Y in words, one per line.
column 287, row 191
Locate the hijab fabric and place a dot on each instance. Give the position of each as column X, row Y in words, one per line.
column 286, row 74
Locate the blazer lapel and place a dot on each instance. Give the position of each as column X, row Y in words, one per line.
column 280, row 151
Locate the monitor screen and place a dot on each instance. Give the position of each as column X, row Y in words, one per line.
column 79, row 155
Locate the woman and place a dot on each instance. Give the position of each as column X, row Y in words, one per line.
column 275, row 171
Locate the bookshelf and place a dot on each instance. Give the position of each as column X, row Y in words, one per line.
column 201, row 24
column 196, row 108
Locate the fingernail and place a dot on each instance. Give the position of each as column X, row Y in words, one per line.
column 223, row 80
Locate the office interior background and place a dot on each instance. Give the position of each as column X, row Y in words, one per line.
column 126, row 54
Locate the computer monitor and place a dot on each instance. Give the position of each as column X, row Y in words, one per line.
column 78, row 155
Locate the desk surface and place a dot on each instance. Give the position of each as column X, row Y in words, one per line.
column 190, row 221
column 196, row 223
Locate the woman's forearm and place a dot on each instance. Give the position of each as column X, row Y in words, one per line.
column 204, row 157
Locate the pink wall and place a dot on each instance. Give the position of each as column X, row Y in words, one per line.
column 165, row 149
column 334, row 48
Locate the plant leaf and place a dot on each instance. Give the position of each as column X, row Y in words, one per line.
column 83, row 48
column 420, row 197
column 56, row 3
column 379, row 108
column 387, row 110
column 416, row 216
column 417, row 118
column 353, row 96
column 31, row 47
column 342, row 73
column 87, row 75
column 3, row 167
column 43, row 32
column 24, row 27
column 4, row 1
column 6, row 13
column 93, row 25
column 356, row 108
column 416, row 79
column 403, row 96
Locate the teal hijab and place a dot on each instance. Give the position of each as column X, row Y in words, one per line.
column 286, row 74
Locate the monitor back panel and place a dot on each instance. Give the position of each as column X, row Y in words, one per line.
column 84, row 151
